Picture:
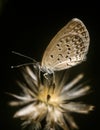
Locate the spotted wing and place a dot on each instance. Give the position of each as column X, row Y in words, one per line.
column 68, row 48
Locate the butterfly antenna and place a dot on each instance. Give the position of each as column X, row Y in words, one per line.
column 17, row 53
column 17, row 66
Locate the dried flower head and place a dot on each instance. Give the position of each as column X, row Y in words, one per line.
column 51, row 102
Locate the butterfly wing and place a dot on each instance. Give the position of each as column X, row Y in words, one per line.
column 68, row 48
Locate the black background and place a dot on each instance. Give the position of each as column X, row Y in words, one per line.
column 27, row 27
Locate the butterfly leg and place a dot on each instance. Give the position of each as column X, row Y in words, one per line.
column 50, row 77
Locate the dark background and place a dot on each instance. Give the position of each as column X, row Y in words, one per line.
column 27, row 27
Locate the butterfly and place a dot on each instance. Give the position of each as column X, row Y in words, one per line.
column 68, row 47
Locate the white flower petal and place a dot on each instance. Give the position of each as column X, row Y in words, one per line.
column 77, row 107
column 30, row 72
column 72, row 83
column 25, row 111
